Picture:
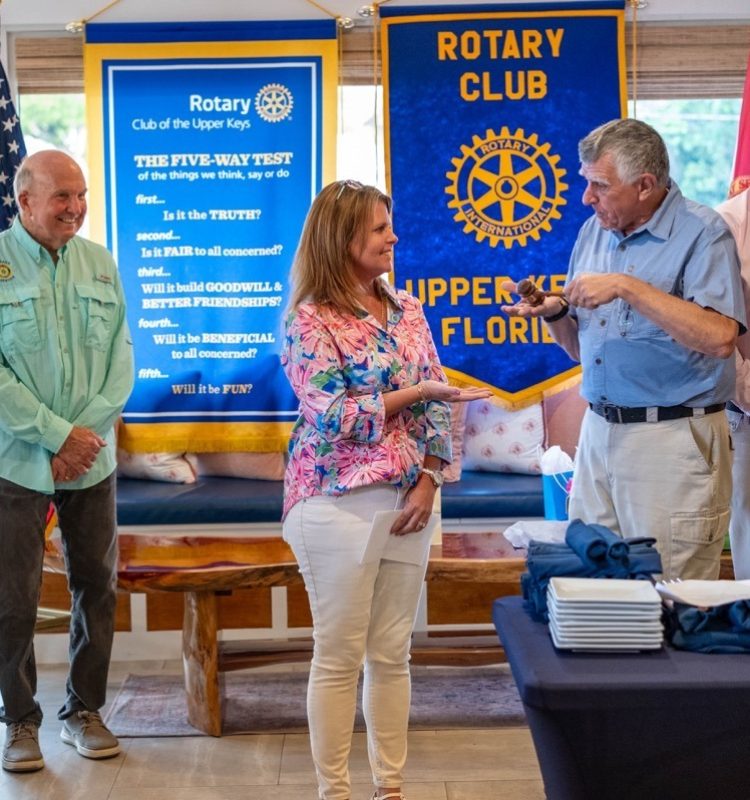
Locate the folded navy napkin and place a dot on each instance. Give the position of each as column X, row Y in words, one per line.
column 718, row 629
column 589, row 551
column 598, row 546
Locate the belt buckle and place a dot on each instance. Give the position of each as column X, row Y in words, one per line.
column 612, row 413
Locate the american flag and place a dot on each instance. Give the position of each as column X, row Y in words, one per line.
column 12, row 151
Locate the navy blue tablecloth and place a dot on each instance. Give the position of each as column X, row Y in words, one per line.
column 667, row 725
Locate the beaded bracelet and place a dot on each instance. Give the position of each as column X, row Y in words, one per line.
column 420, row 392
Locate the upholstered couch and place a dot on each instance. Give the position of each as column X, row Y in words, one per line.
column 489, row 441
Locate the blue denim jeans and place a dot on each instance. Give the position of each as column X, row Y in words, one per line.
column 87, row 521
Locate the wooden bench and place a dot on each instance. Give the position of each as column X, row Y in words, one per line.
column 204, row 567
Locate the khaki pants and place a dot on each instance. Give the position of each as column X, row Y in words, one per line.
column 669, row 480
column 739, row 527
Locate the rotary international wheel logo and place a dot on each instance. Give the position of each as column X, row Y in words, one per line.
column 274, row 102
column 506, row 187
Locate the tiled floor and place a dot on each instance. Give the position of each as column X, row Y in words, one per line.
column 443, row 765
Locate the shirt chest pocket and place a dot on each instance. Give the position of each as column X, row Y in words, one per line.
column 19, row 325
column 98, row 306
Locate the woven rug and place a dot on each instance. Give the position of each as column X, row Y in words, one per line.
column 274, row 702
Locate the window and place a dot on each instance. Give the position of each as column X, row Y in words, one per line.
column 54, row 121
column 701, row 137
column 359, row 155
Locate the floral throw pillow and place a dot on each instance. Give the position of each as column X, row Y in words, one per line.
column 499, row 440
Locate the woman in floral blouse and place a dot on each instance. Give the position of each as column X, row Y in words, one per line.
column 373, row 435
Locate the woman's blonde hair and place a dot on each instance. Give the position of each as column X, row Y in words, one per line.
column 322, row 272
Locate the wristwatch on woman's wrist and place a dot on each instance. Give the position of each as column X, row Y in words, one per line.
column 435, row 475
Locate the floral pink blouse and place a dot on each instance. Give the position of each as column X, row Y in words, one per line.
column 339, row 366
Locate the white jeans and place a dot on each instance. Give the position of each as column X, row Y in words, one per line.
column 671, row 480
column 360, row 612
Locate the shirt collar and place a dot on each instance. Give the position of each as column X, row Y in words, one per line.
column 392, row 295
column 37, row 251
column 661, row 222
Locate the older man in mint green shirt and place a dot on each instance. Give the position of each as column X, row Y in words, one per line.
column 66, row 371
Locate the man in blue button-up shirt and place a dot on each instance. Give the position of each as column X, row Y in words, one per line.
column 652, row 309
column 66, row 370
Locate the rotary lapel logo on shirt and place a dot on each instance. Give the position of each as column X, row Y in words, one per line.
column 6, row 273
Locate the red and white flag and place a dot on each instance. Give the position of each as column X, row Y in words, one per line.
column 741, row 172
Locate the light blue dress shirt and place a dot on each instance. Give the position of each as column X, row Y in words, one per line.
column 66, row 355
column 685, row 249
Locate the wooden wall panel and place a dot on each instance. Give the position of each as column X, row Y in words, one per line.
column 55, row 594
column 243, row 608
column 298, row 607
column 453, row 603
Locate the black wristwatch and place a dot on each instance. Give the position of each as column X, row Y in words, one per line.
column 561, row 313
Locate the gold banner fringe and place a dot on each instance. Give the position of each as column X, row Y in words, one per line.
column 218, row 437
column 529, row 397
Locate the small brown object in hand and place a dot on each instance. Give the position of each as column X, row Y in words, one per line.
column 530, row 292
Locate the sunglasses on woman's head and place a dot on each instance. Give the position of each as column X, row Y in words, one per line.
column 355, row 185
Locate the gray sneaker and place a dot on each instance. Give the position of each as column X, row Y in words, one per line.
column 21, row 752
column 89, row 735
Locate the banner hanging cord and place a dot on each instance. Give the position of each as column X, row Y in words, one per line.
column 102, row 10
column 375, row 62
column 342, row 24
column 78, row 25
column 635, row 4
column 320, row 8
column 375, row 115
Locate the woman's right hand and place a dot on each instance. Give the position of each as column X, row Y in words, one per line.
column 435, row 390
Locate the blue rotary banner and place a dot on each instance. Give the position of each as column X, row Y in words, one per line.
column 209, row 142
column 484, row 110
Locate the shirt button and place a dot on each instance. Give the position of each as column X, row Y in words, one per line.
column 621, row 246
column 597, row 361
column 602, row 322
column 603, row 397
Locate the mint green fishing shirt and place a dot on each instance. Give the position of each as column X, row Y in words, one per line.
column 66, row 355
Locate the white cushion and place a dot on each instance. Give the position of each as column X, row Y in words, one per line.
column 169, row 467
column 259, row 466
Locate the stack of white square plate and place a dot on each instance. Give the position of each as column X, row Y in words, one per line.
column 604, row 614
